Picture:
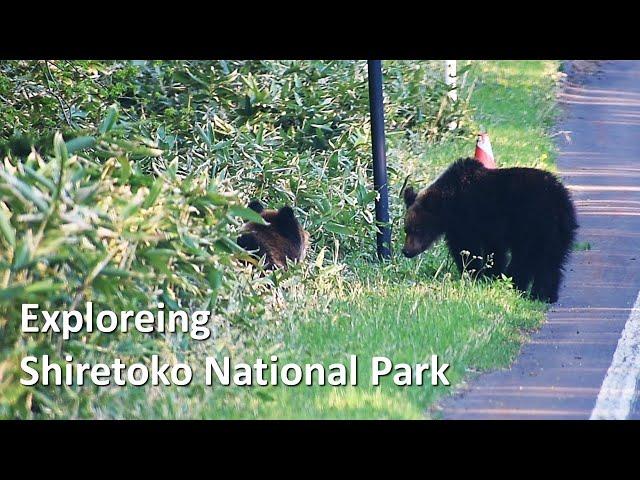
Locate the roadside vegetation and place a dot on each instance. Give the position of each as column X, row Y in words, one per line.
column 138, row 199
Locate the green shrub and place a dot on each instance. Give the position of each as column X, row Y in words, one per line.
column 284, row 131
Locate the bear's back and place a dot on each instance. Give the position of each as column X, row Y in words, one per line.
column 479, row 196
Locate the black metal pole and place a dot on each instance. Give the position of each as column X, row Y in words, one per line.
column 383, row 238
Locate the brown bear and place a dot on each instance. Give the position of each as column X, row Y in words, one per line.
column 493, row 212
column 281, row 239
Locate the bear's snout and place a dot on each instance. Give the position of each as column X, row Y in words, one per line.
column 407, row 253
column 413, row 245
column 411, row 252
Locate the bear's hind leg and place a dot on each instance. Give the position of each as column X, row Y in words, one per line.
column 520, row 270
column 546, row 283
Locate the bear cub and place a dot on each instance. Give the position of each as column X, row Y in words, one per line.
column 524, row 212
column 283, row 238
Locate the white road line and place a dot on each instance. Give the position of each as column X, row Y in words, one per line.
column 617, row 393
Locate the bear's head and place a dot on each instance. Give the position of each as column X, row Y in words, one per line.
column 280, row 239
column 424, row 220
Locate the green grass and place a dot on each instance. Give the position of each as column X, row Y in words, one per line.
column 467, row 324
column 402, row 310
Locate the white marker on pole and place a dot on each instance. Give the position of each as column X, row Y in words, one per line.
column 618, row 390
column 450, row 78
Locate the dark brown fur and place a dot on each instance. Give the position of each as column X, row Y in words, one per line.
column 283, row 238
column 522, row 211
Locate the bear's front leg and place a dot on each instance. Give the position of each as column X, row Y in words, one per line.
column 497, row 263
column 455, row 250
column 469, row 256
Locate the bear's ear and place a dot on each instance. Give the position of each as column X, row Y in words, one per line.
column 256, row 206
column 287, row 224
column 287, row 217
column 409, row 196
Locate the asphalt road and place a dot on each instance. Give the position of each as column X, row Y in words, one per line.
column 560, row 371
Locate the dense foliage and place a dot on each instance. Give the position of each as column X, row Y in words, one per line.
column 138, row 199
column 294, row 132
